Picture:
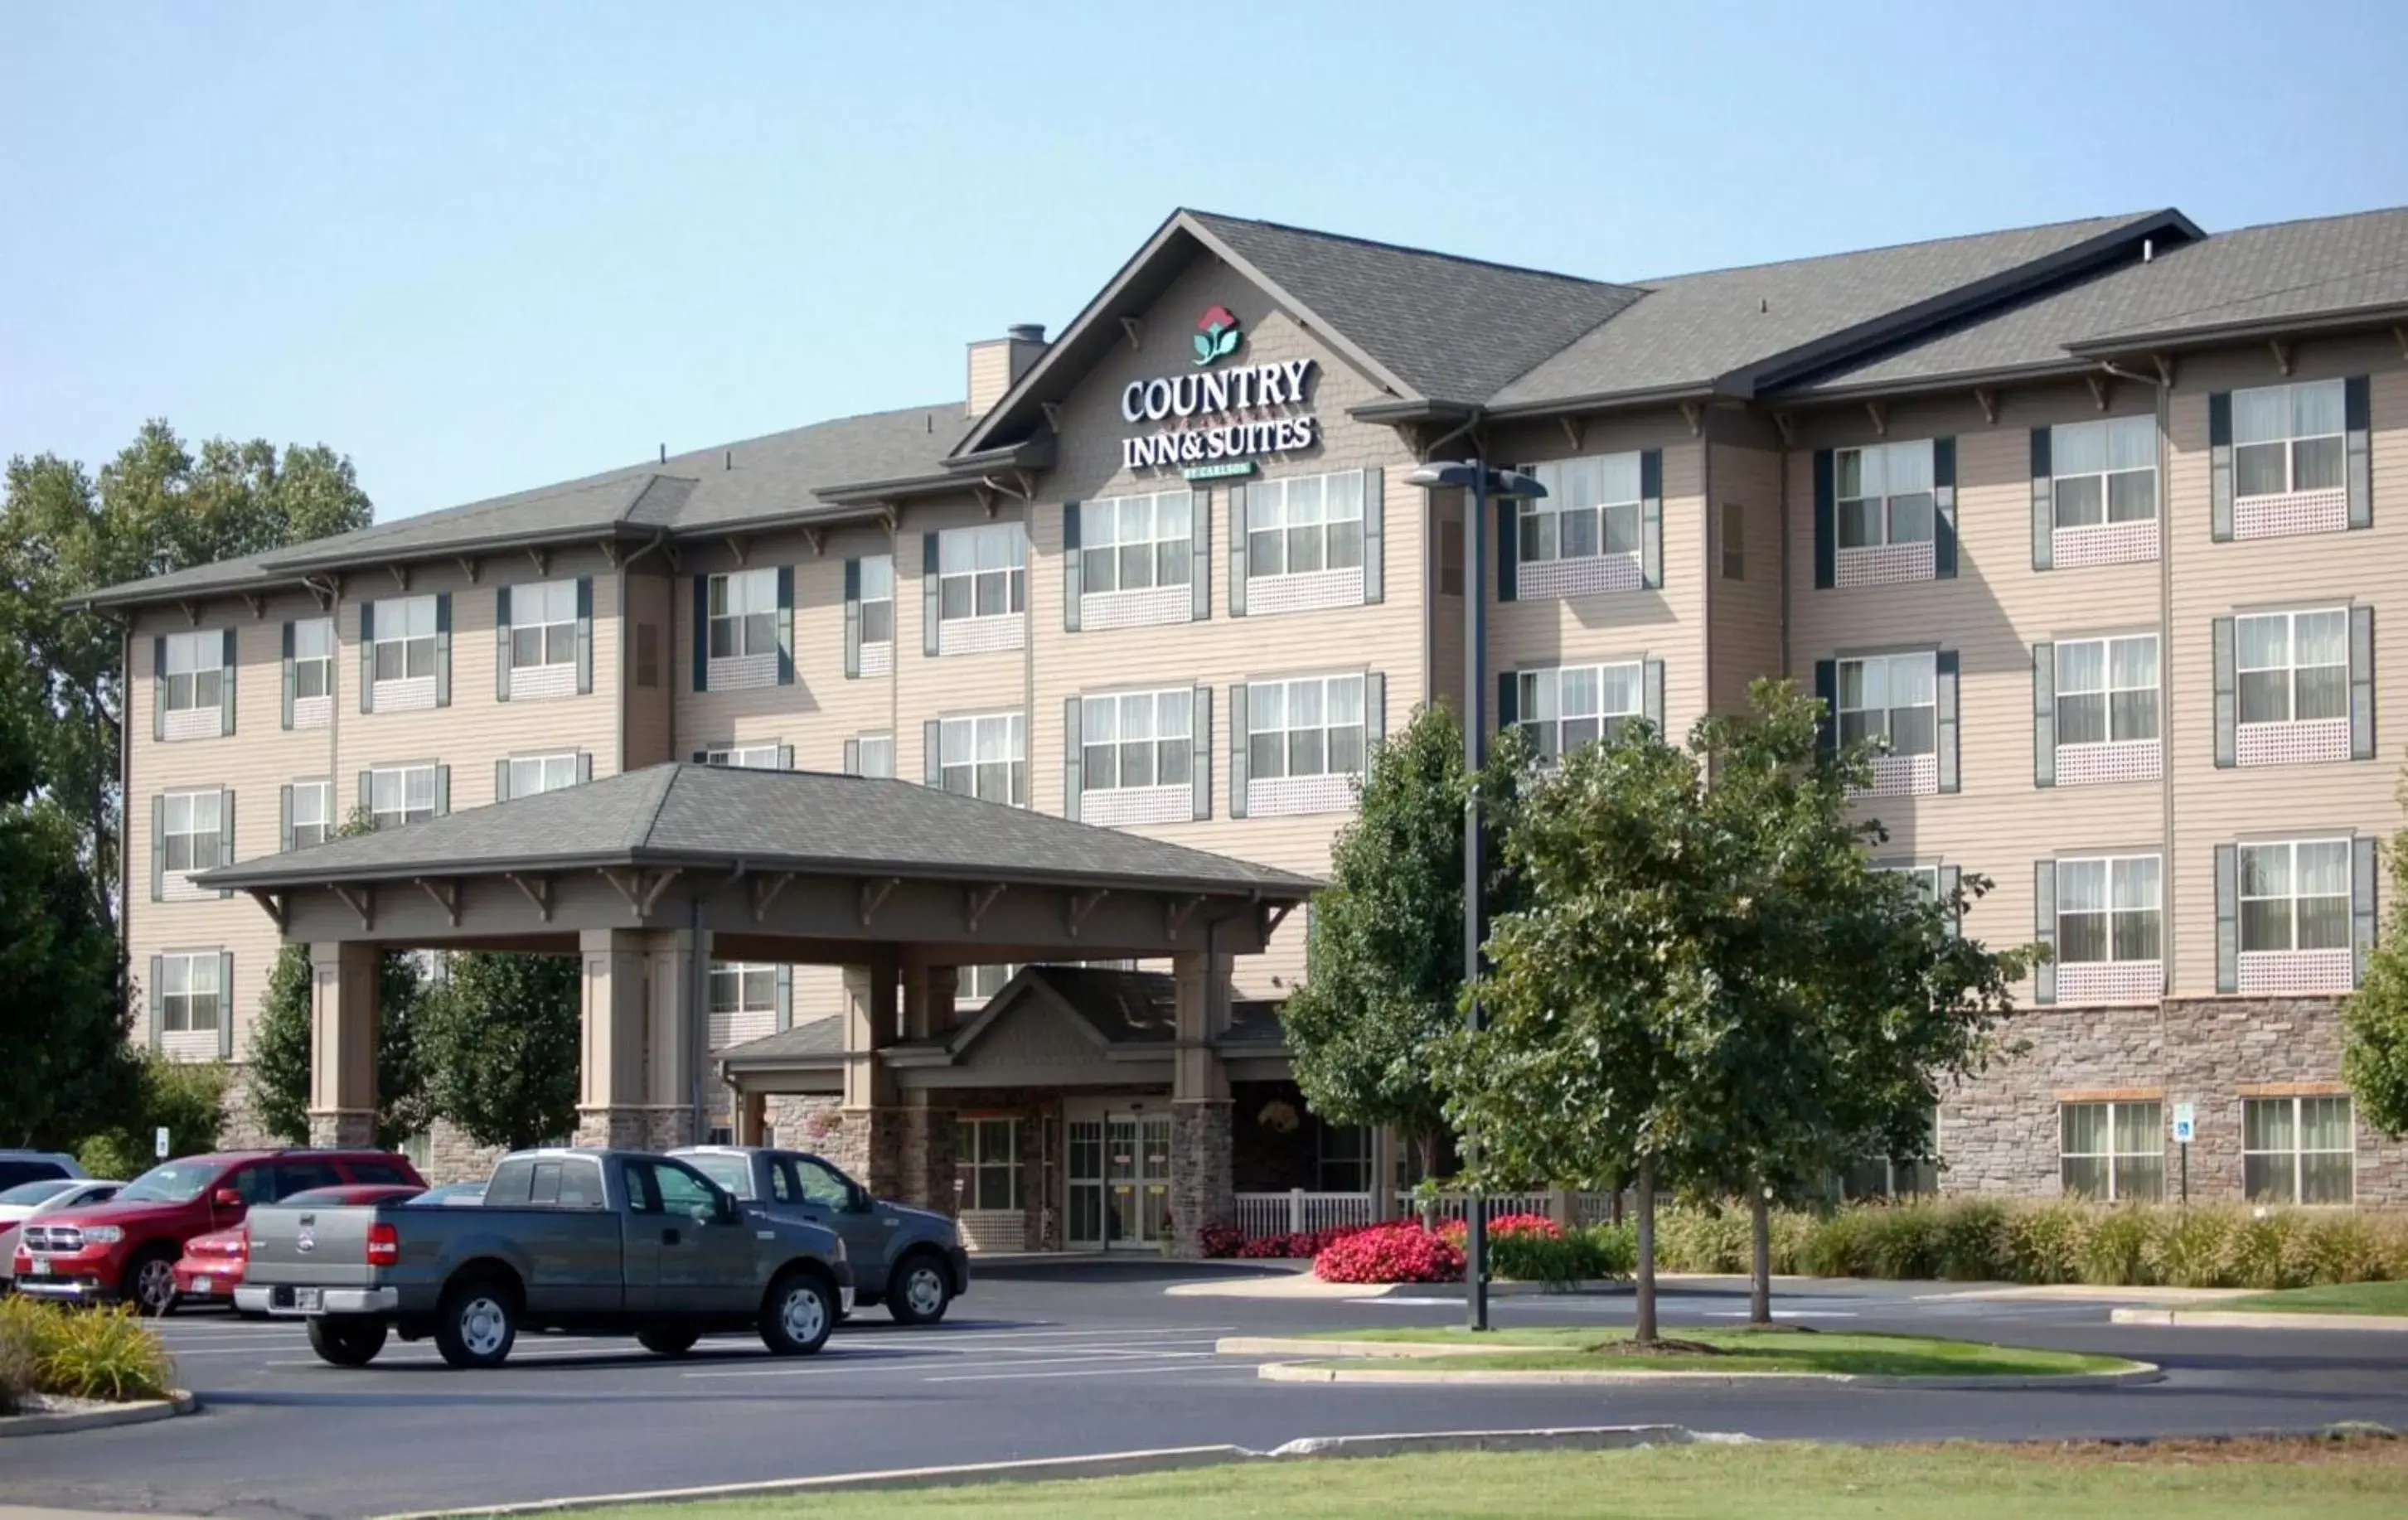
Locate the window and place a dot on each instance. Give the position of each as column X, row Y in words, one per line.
column 1342, row 1158
column 1141, row 739
column 981, row 572
column 401, row 794
column 986, row 1160
column 746, row 756
column 744, row 1002
column 190, row 998
column 874, row 755
column 543, row 626
column 1132, row 543
column 1591, row 508
column 647, row 655
column 2107, row 690
column 539, row 773
column 987, row 757
column 975, row 984
column 2113, row 1151
column 2288, row 439
column 2104, row 471
column 878, row 600
column 1734, row 541
column 1305, row 524
column 1926, row 878
column 2295, row 895
column 404, row 639
column 195, row 662
column 2108, row 910
column 1309, row 728
column 313, row 658
column 1563, row 709
column 744, row 614
column 2294, row 666
column 2298, row 1150
column 314, row 814
column 816, row 1182
column 1892, row 699
column 1883, row 495
column 192, row 829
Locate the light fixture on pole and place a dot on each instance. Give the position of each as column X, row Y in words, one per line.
column 1481, row 483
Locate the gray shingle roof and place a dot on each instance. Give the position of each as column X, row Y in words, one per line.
column 1454, row 329
column 2290, row 269
column 805, row 821
column 1688, row 331
column 819, row 1038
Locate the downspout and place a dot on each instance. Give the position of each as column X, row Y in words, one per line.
column 1709, row 568
column 1781, row 508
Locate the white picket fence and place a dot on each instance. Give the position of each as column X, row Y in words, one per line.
column 1297, row 1210
column 1458, row 1205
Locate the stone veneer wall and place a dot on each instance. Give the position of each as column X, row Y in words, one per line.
column 2000, row 1135
column 1200, row 1190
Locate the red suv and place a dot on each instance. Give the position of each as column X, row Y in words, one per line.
column 125, row 1250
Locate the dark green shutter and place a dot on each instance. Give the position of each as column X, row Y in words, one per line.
column 232, row 666
column 1238, row 750
column 1944, row 509
column 442, row 790
column 2227, row 702
column 1375, row 537
column 2228, row 918
column 585, row 634
column 442, row 649
column 1509, row 699
column 852, row 620
column 284, row 818
column 501, row 643
column 785, row 624
column 1947, row 878
column 367, row 656
column 932, row 740
column 584, row 766
column 1199, row 556
column 1827, row 688
column 785, row 757
column 853, row 757
column 929, row 606
column 157, row 999
column 367, row 791
column 1509, row 547
column 2045, row 714
column 2219, row 467
column 1074, row 569
column 2357, row 414
column 225, row 1004
column 1943, row 666
column 288, row 675
column 159, row 688
column 2044, row 930
column 2362, row 888
column 1199, row 752
column 2044, row 502
column 1826, row 531
column 1375, row 713
column 1651, row 519
column 1074, row 764
column 1237, row 552
column 1651, row 694
column 702, row 633
column 501, row 780
column 2361, row 682
column 158, row 848
column 785, row 997
column 225, row 830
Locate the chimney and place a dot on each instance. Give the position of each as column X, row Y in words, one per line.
column 997, row 363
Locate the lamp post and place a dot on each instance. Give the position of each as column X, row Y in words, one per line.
column 1480, row 481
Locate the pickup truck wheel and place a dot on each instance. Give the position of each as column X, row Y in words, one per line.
column 346, row 1341
column 150, row 1283
column 796, row 1314
column 667, row 1342
column 476, row 1324
column 920, row 1292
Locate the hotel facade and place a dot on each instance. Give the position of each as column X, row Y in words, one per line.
column 2094, row 523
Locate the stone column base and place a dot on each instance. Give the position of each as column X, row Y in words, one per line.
column 636, row 1128
column 1202, row 1190
column 349, row 1129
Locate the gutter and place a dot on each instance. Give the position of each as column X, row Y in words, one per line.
column 2193, row 337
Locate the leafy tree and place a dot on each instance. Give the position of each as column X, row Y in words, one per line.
column 500, row 1045
column 276, row 1071
column 187, row 1098
column 1387, row 939
column 63, row 1015
column 2375, row 1020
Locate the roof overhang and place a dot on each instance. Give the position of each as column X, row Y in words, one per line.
column 2354, row 319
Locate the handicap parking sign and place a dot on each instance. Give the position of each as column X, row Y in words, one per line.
column 2186, row 1125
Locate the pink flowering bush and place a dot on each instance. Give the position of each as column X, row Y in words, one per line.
column 1396, row 1252
column 1504, row 1224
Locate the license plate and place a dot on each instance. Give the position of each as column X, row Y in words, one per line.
column 306, row 1300
column 41, row 1268
column 205, row 1284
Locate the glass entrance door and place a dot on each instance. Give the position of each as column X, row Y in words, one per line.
column 1119, row 1180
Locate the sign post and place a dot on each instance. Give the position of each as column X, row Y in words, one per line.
column 2185, row 1127
column 159, row 1143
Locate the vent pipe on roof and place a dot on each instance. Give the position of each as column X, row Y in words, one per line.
column 2148, row 249
column 664, row 454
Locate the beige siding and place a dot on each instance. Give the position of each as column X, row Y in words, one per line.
column 1744, row 635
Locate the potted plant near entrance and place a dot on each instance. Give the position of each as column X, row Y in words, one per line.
column 1168, row 1239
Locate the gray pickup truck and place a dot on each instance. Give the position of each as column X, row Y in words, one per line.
column 909, row 1259
column 607, row 1241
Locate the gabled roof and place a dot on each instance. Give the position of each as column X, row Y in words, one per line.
column 1115, row 1009
column 1732, row 329
column 808, row 821
column 815, row 1041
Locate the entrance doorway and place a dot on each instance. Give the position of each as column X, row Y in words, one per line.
column 1119, row 1178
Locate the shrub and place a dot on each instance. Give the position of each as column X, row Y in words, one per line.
column 1702, row 1240
column 1617, row 1249
column 2120, row 1249
column 98, row 1353
column 1556, row 1259
column 1840, row 1246
column 1973, row 1242
column 2196, row 1249
column 2048, row 1242
column 1398, row 1252
column 1221, row 1239
column 1903, row 1240
column 1504, row 1225
column 2343, row 1248
column 2266, row 1252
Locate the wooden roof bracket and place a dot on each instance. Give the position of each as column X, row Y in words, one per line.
column 738, row 546
column 1175, row 915
column 277, row 905
column 2400, row 335
column 669, row 553
column 660, row 885
column 537, row 890
column 874, row 896
column 983, row 492
column 541, row 558
column 1082, row 905
column 192, row 610
column 363, row 905
column 1135, row 328
column 977, row 900
column 1052, row 411
column 399, row 572
column 892, row 516
column 1276, row 917
column 446, row 896
column 324, row 591
column 1880, row 415
column 2282, row 348
column 1789, row 427
column 471, row 566
column 1694, row 413
column 257, row 605
column 1575, row 428
column 2165, row 362
column 818, row 542
column 1987, row 399
column 766, row 890
column 609, row 548
column 2102, row 388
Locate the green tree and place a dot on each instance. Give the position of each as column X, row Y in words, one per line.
column 2375, row 1020
column 500, row 1047
column 186, row 1099
column 1387, row 941
column 275, row 1063
column 64, row 1016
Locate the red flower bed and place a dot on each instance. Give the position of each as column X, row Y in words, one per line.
column 1228, row 1241
column 1455, row 1229
column 1398, row 1252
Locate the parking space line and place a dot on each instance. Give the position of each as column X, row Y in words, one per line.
column 1098, row 1372
column 839, row 1365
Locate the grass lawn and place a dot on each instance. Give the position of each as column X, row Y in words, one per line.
column 2334, row 1298
column 2192, row 1481
column 1777, row 1350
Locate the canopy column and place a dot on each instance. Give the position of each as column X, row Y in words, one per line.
column 1203, row 1190
column 869, row 1026
column 613, row 1097
column 344, row 1020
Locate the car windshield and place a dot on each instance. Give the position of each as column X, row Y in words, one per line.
column 732, row 1172
column 176, row 1181
column 25, row 1193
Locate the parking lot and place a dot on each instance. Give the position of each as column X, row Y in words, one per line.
column 1060, row 1358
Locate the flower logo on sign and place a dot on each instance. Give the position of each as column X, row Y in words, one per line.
column 1216, row 335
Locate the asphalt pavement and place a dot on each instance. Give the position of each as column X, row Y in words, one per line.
column 1074, row 1357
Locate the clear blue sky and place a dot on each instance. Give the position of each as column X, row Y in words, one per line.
column 484, row 247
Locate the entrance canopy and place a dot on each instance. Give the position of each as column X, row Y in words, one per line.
column 776, row 865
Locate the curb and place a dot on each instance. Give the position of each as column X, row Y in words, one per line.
column 2139, row 1373
column 2253, row 1319
column 143, row 1412
column 1119, row 1464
